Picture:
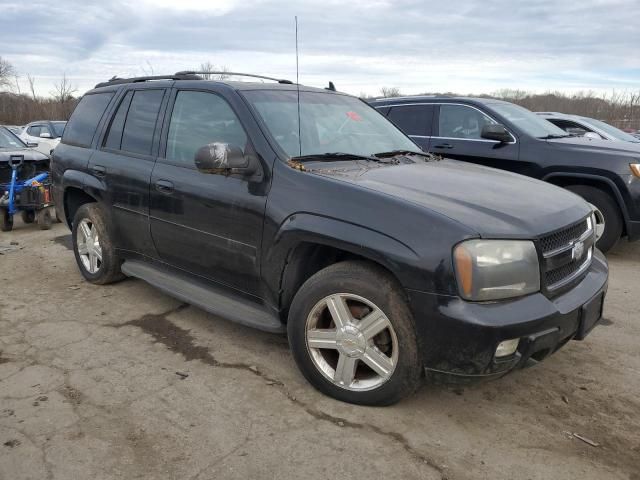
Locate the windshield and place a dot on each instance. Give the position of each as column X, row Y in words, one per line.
column 329, row 123
column 58, row 128
column 528, row 122
column 9, row 140
column 611, row 130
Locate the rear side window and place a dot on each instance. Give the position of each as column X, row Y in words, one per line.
column 140, row 124
column 114, row 137
column 412, row 119
column 85, row 119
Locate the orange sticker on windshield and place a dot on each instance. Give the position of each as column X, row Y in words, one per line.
column 354, row 116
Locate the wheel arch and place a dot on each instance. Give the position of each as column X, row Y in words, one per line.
column 78, row 188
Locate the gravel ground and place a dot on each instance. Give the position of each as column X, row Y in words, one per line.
column 124, row 382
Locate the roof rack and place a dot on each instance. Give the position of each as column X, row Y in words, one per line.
column 118, row 81
column 193, row 72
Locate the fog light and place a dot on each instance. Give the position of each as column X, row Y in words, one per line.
column 506, row 348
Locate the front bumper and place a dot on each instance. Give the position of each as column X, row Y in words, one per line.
column 459, row 338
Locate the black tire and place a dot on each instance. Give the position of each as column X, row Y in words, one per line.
column 44, row 219
column 109, row 269
column 28, row 216
column 377, row 286
column 6, row 220
column 610, row 210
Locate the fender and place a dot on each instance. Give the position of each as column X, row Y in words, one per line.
column 85, row 182
column 597, row 178
column 397, row 257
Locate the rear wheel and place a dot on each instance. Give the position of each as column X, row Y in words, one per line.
column 352, row 335
column 611, row 222
column 93, row 246
column 6, row 220
column 28, row 216
column 44, row 219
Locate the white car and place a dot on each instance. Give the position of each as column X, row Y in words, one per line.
column 45, row 133
column 587, row 127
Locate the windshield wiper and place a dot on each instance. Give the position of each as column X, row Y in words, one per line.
column 395, row 153
column 553, row 135
column 333, row 157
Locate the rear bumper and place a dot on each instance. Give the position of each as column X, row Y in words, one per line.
column 459, row 338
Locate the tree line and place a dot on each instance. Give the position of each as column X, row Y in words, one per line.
column 621, row 109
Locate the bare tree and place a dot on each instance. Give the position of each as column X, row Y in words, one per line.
column 148, row 71
column 63, row 90
column 32, row 82
column 390, row 92
column 7, row 73
column 210, row 67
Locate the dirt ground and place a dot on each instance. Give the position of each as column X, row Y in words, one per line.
column 124, row 382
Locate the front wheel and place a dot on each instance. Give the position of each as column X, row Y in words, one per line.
column 609, row 222
column 353, row 337
column 93, row 246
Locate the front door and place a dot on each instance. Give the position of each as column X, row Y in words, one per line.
column 208, row 224
column 458, row 135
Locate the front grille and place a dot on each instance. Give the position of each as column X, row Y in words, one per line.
column 560, row 267
column 557, row 240
column 558, row 274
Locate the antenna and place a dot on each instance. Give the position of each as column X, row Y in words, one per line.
column 298, row 88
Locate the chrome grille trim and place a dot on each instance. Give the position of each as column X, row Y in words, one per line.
column 574, row 275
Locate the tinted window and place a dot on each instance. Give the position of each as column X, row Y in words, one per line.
column 114, row 137
column 460, row 121
column 200, row 118
column 412, row 119
column 58, row 128
column 85, row 119
column 137, row 136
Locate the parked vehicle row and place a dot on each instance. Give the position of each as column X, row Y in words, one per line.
column 303, row 210
column 502, row 135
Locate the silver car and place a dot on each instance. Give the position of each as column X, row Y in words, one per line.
column 588, row 127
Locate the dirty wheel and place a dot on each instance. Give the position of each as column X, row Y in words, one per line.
column 353, row 337
column 6, row 220
column 93, row 247
column 28, row 216
column 44, row 219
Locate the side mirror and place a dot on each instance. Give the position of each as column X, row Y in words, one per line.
column 496, row 132
column 32, row 144
column 592, row 135
column 224, row 158
column 45, row 135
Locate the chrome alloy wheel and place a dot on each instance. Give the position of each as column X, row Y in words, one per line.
column 599, row 226
column 352, row 342
column 89, row 249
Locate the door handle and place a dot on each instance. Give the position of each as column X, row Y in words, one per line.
column 164, row 186
column 443, row 145
column 99, row 170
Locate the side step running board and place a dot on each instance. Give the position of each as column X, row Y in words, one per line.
column 233, row 308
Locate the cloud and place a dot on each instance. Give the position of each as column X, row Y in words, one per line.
column 361, row 45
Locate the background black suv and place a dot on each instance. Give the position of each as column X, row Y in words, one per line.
column 469, row 129
column 377, row 259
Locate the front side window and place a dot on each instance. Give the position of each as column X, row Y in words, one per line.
column 85, row 119
column 58, row 128
column 34, row 130
column 329, row 123
column 198, row 119
column 460, row 121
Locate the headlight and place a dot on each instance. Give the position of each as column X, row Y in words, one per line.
column 496, row 269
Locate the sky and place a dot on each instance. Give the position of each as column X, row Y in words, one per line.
column 360, row 45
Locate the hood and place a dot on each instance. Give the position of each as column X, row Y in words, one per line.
column 30, row 154
column 494, row 203
column 597, row 146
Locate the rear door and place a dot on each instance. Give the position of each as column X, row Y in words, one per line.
column 206, row 223
column 415, row 120
column 124, row 161
column 457, row 134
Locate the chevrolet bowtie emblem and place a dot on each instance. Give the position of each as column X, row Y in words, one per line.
column 577, row 251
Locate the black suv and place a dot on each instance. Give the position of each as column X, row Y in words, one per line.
column 503, row 135
column 306, row 211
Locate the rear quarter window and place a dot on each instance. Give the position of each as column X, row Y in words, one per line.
column 85, row 119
